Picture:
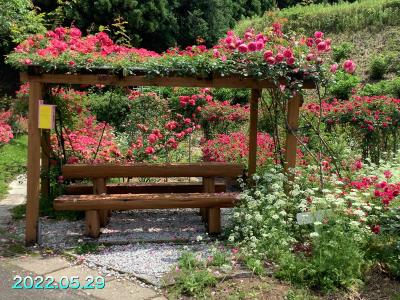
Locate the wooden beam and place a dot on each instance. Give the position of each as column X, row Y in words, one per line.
column 293, row 111
column 32, row 204
column 144, row 188
column 144, row 201
column 141, row 80
column 254, row 99
column 153, row 170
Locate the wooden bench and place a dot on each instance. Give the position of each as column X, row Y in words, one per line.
column 209, row 196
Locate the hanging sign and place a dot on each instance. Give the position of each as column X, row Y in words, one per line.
column 47, row 114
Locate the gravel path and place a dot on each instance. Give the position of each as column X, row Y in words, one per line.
column 149, row 262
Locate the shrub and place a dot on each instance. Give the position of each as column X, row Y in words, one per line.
column 331, row 250
column 373, row 122
column 343, row 85
column 222, row 117
column 342, row 51
column 233, row 147
column 378, row 67
column 112, row 107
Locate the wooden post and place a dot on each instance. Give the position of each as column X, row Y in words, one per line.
column 293, row 124
column 32, row 203
column 99, row 187
column 45, row 165
column 213, row 213
column 255, row 95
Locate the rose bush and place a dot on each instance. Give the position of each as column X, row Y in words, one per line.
column 373, row 121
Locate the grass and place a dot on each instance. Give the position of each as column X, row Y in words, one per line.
column 342, row 17
column 13, row 158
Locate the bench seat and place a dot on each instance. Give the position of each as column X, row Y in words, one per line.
column 144, row 201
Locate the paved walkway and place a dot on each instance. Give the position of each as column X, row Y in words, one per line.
column 121, row 288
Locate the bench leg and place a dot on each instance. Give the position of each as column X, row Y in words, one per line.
column 204, row 214
column 214, row 220
column 104, row 218
column 92, row 223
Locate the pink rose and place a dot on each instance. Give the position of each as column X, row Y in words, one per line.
column 243, row 48
column 321, row 46
column 290, row 61
column 279, row 57
column 267, row 54
column 152, row 138
column 334, row 68
column 318, row 34
column 287, row 53
column 252, row 46
column 349, row 66
column 150, row 150
column 270, row 60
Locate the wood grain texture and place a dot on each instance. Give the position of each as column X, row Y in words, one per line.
column 143, row 188
column 92, row 222
column 99, row 187
column 153, row 170
column 293, row 111
column 254, row 99
column 144, row 201
column 33, row 176
column 141, row 80
column 213, row 214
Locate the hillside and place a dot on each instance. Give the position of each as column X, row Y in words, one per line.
column 372, row 28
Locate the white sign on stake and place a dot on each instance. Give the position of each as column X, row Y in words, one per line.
column 312, row 217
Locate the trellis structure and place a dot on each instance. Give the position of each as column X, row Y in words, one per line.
column 38, row 139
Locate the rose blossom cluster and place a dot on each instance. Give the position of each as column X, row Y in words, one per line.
column 6, row 133
column 234, row 147
column 366, row 113
column 69, row 40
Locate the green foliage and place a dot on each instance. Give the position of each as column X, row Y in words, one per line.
column 337, row 260
column 85, row 248
column 341, row 17
column 343, row 85
column 342, row 51
column 193, row 278
column 12, row 161
column 234, row 96
column 112, row 107
column 378, row 68
column 18, row 20
column 384, row 87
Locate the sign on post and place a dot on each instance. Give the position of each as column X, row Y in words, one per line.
column 47, row 115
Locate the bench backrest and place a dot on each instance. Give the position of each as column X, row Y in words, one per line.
column 206, row 169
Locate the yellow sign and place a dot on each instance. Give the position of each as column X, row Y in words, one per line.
column 46, row 116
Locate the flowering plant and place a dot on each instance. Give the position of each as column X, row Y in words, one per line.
column 374, row 121
column 6, row 133
column 271, row 55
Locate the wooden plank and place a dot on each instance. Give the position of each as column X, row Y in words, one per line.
column 153, row 170
column 293, row 124
column 255, row 96
column 92, row 222
column 32, row 204
column 144, row 201
column 99, row 187
column 140, row 80
column 144, row 188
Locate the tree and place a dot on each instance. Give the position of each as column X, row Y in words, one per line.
column 18, row 19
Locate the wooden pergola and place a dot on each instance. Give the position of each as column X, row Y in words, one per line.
column 38, row 159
